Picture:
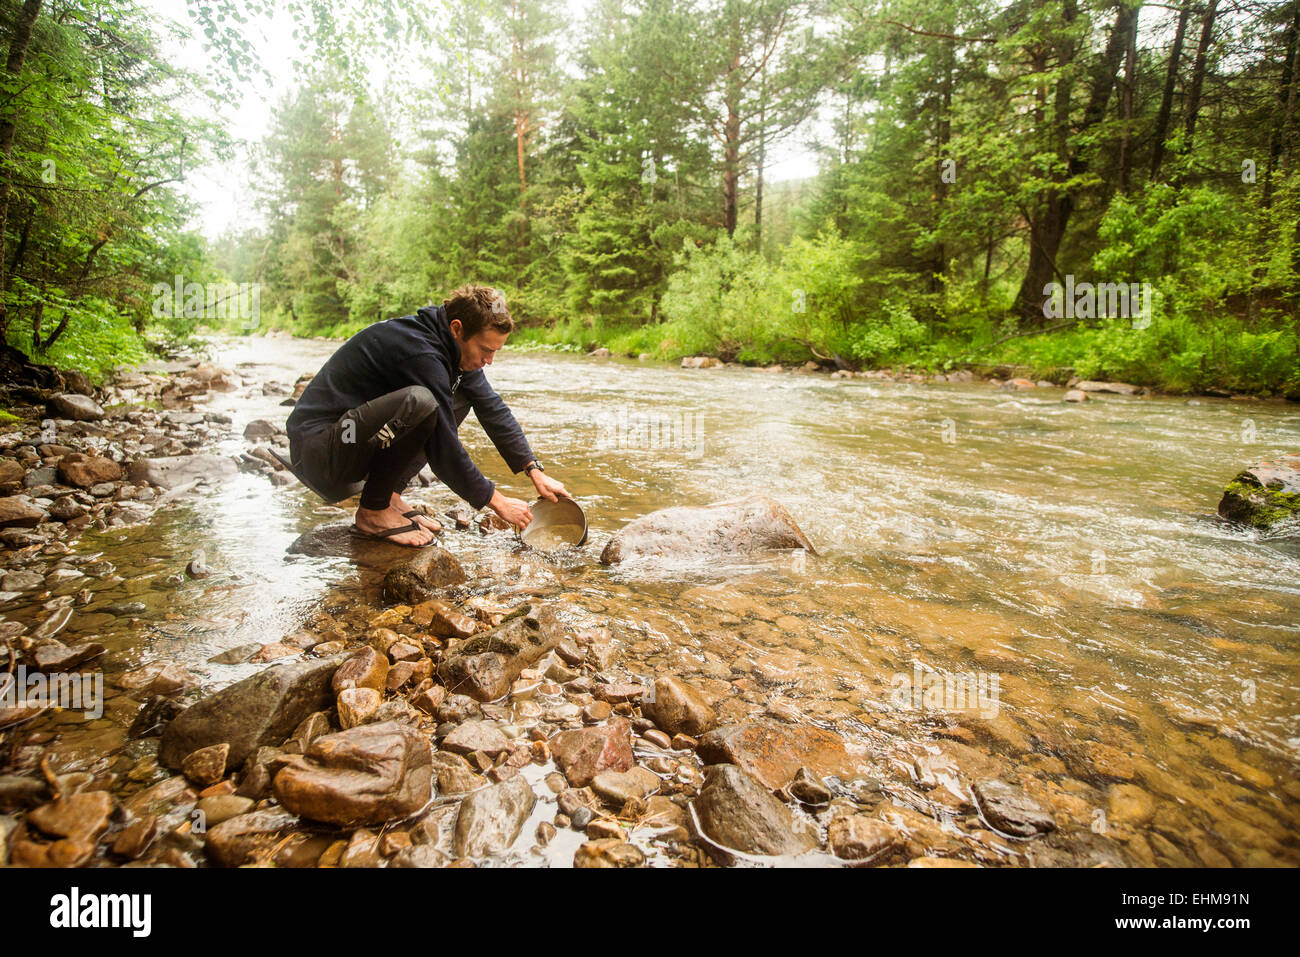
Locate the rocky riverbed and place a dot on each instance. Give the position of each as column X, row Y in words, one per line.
column 480, row 704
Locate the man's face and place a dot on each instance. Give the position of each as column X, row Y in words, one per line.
column 477, row 351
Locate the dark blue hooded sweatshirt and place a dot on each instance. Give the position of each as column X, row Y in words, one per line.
column 416, row 350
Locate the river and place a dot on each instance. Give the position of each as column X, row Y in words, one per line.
column 1130, row 659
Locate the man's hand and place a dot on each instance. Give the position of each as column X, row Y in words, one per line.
column 547, row 487
column 513, row 510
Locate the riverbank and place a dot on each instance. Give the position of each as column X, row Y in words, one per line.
column 661, row 717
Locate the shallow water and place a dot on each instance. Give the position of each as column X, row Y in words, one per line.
column 1061, row 563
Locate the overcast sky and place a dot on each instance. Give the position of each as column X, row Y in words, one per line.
column 223, row 192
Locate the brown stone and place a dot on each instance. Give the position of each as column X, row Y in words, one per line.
column 856, row 837
column 206, row 766
column 611, row 852
column 583, row 753
column 774, row 753
column 485, row 666
column 84, row 471
column 679, row 709
column 365, row 775
column 81, row 817
column 364, row 668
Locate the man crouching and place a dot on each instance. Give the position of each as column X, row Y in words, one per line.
column 392, row 398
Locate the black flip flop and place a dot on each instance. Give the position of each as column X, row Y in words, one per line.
column 389, row 532
column 414, row 512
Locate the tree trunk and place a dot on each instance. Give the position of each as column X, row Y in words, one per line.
column 1279, row 136
column 1047, row 234
column 8, row 127
column 1167, row 98
column 1198, row 74
column 1126, row 109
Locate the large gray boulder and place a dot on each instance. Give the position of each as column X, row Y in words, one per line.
column 262, row 710
column 746, row 526
column 176, row 470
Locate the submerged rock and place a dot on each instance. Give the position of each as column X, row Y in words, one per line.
column 263, row 709
column 365, row 775
column 740, row 527
column 423, row 577
column 1012, row 811
column 336, row 540
column 1264, row 495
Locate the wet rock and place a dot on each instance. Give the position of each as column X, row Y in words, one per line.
column 490, row 819
column 18, row 791
column 809, row 789
column 739, row 527
column 679, row 709
column 206, row 766
column 774, row 753
column 1116, row 388
column 85, row 471
column 610, row 852
column 248, row 837
column 856, row 837
column 19, row 511
column 356, row 706
column 260, row 429
column 158, row 678
column 1130, row 805
column 619, row 787
column 12, row 473
column 174, row 471
column 260, row 710
column 21, row 581
column 736, row 811
column 67, row 509
column 81, row 817
column 54, row 656
column 364, row 668
column 486, row 665
column 77, row 407
column 476, row 736
column 444, row 620
column 583, row 753
column 1265, row 495
column 133, row 840
column 222, row 807
column 64, row 853
column 365, row 775
column 420, row 855
column 153, row 716
column 337, row 541
column 233, row 656
column 1012, row 811
column 431, row 571
column 1076, row 395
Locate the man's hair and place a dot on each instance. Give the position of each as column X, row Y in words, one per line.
column 479, row 308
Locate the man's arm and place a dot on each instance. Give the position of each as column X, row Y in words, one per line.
column 497, row 420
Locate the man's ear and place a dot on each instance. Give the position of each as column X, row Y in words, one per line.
column 455, row 327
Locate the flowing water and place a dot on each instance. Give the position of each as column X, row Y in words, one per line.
column 1006, row 585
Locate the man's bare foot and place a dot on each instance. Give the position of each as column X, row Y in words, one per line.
column 378, row 520
column 400, row 504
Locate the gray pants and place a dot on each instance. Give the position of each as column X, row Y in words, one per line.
column 374, row 449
